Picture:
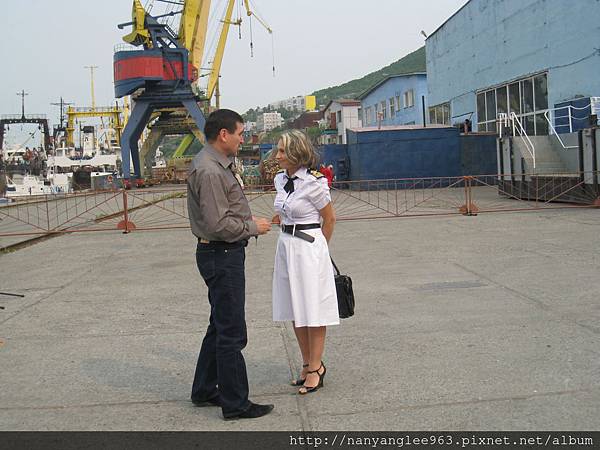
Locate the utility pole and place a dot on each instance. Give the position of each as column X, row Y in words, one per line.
column 217, row 94
column 62, row 105
column 92, row 79
column 22, row 94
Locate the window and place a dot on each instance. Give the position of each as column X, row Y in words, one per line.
column 540, row 84
column 527, row 98
column 481, row 108
column 409, row 98
column 398, row 103
column 392, row 111
column 339, row 116
column 383, row 110
column 514, row 96
column 440, row 114
column 502, row 99
column 490, row 102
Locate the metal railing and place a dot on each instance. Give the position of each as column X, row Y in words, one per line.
column 512, row 120
column 125, row 48
column 551, row 122
column 165, row 207
column 26, row 116
column 96, row 109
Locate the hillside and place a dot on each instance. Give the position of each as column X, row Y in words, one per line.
column 413, row 62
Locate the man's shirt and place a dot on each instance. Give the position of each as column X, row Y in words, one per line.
column 217, row 207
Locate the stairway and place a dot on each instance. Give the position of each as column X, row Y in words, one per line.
column 547, row 160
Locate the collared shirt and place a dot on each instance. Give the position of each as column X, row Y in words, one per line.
column 217, row 207
column 311, row 194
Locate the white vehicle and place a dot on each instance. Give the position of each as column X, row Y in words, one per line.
column 31, row 185
column 63, row 159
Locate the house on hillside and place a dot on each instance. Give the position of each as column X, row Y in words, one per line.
column 307, row 120
column 340, row 115
column 395, row 100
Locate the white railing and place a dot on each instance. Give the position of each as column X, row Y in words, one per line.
column 569, row 109
column 512, row 121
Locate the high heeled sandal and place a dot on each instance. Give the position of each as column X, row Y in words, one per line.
column 299, row 381
column 309, row 389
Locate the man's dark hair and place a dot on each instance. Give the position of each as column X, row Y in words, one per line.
column 219, row 119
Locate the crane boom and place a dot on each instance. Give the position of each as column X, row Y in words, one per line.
column 249, row 13
column 216, row 65
column 193, row 29
column 218, row 59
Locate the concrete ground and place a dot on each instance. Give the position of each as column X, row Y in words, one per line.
column 489, row 322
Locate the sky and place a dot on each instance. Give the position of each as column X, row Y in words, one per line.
column 317, row 44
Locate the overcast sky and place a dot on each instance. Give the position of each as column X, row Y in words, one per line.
column 318, row 43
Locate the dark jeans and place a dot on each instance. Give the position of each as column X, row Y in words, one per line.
column 221, row 369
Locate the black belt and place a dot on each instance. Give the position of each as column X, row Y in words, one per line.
column 296, row 230
column 222, row 244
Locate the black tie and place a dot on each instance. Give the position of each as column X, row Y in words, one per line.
column 289, row 185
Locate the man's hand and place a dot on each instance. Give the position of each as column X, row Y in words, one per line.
column 263, row 225
column 276, row 220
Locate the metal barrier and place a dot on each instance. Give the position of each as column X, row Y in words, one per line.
column 166, row 207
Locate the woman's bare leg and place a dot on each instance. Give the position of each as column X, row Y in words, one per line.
column 303, row 343
column 316, row 341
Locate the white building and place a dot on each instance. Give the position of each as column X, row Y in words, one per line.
column 249, row 126
column 291, row 104
column 339, row 116
column 268, row 121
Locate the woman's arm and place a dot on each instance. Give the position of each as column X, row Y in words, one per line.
column 328, row 215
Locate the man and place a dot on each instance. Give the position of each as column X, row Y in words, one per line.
column 221, row 220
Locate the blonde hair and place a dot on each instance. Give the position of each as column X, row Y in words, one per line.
column 298, row 149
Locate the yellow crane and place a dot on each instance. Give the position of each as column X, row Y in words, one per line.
column 193, row 34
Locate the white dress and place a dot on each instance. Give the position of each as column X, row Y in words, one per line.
column 303, row 279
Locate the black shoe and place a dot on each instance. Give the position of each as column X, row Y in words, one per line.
column 212, row 402
column 252, row 412
column 308, row 389
column 299, row 381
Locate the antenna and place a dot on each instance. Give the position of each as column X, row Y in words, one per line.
column 62, row 105
column 92, row 79
column 22, row 94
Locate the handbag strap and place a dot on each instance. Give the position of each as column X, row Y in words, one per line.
column 337, row 271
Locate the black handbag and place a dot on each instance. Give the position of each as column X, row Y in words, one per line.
column 345, row 295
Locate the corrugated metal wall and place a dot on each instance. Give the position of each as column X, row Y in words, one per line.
column 337, row 156
column 381, row 154
column 478, row 155
column 417, row 153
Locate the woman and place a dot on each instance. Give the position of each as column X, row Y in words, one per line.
column 303, row 283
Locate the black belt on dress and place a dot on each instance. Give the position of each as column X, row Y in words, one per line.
column 296, row 230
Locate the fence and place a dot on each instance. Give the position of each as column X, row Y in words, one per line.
column 162, row 208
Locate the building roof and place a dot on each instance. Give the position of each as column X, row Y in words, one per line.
column 449, row 18
column 343, row 102
column 397, row 128
column 376, row 85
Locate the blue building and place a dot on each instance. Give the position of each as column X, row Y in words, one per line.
column 528, row 57
column 396, row 100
